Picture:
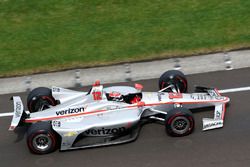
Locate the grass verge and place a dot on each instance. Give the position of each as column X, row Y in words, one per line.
column 42, row 36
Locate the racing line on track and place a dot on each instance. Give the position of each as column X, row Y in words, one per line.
column 231, row 90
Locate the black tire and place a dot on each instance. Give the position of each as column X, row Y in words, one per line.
column 41, row 139
column 179, row 122
column 174, row 77
column 40, row 99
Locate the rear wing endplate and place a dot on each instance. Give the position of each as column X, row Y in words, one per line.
column 18, row 112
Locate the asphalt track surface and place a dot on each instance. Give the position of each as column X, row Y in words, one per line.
column 226, row 147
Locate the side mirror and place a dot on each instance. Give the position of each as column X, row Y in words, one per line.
column 97, row 83
column 138, row 86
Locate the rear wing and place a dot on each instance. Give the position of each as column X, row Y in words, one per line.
column 17, row 113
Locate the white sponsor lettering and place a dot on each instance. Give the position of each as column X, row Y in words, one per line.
column 70, row 111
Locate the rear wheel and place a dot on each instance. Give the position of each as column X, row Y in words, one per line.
column 179, row 122
column 173, row 77
column 41, row 139
column 40, row 99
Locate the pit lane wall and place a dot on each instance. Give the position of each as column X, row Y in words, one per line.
column 128, row 71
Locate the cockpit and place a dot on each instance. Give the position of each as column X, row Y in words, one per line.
column 125, row 94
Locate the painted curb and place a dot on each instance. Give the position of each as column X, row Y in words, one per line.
column 128, row 71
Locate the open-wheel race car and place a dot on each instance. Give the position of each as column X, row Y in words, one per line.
column 68, row 119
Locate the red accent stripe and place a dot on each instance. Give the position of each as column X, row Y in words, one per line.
column 131, row 106
column 175, row 95
column 62, row 116
column 12, row 127
column 194, row 102
column 223, row 111
column 217, row 91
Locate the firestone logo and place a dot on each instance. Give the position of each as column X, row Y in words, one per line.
column 18, row 109
column 212, row 124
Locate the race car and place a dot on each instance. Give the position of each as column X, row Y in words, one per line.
column 68, row 119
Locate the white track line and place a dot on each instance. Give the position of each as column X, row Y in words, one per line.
column 6, row 114
column 220, row 91
column 235, row 90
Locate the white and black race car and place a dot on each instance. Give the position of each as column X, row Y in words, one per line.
column 68, row 119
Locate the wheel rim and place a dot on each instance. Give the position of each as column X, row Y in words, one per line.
column 42, row 142
column 179, row 82
column 180, row 125
column 181, row 86
column 41, row 105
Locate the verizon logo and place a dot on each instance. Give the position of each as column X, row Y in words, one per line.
column 70, row 111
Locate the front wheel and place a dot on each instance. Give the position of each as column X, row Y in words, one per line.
column 41, row 139
column 179, row 122
column 175, row 78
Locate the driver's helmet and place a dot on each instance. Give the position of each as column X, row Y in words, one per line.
column 135, row 99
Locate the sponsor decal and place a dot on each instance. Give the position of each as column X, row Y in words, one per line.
column 56, row 90
column 113, row 107
column 200, row 97
column 115, row 94
column 159, row 95
column 212, row 93
column 97, row 95
column 56, row 123
column 212, row 124
column 70, row 111
column 104, row 131
column 220, row 98
column 206, row 97
column 218, row 114
column 66, row 144
column 174, row 95
column 18, row 109
column 70, row 134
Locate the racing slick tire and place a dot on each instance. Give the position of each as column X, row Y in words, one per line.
column 179, row 122
column 175, row 77
column 41, row 139
column 40, row 99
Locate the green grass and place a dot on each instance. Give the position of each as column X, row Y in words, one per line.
column 47, row 35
